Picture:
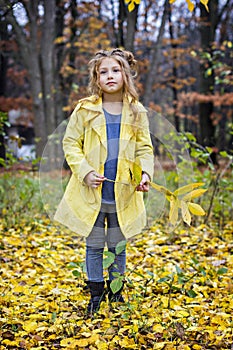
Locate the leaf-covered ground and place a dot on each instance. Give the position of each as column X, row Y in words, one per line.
column 178, row 293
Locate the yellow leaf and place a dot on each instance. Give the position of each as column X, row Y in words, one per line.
column 219, row 320
column 4, row 211
column 137, row 2
column 131, row 6
column 190, row 5
column 71, row 343
column 205, row 3
column 66, row 341
column 162, row 189
column 29, row 326
column 159, row 345
column 185, row 213
column 102, row 345
column 94, row 338
column 196, row 209
column 194, row 194
column 172, row 1
column 158, row 328
column 127, row 343
column 15, row 241
column 10, row 343
column 173, row 214
column 137, row 173
column 59, row 40
column 19, row 289
column 82, row 343
column 182, row 313
column 187, row 188
column 86, row 334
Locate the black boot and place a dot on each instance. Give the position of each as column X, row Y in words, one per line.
column 114, row 297
column 97, row 296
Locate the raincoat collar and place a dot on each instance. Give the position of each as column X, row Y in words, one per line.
column 94, row 103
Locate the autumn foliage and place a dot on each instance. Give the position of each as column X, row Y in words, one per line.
column 178, row 291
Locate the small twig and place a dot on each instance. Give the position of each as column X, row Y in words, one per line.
column 118, row 182
column 216, row 183
column 109, row 180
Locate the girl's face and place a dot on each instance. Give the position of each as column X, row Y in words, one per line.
column 110, row 76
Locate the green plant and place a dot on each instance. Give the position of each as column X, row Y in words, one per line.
column 19, row 198
column 218, row 179
column 180, row 280
column 117, row 283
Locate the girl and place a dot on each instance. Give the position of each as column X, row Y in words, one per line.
column 106, row 134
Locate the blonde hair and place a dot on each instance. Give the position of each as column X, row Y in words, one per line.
column 128, row 64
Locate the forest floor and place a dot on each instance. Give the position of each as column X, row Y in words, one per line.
column 178, row 290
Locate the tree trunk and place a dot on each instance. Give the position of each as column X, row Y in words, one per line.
column 38, row 105
column 207, row 30
column 60, row 100
column 37, row 53
column 30, row 51
column 47, row 64
column 131, row 28
column 3, row 71
column 121, row 19
column 174, row 71
column 3, row 58
column 152, row 71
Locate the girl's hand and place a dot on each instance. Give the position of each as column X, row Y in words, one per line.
column 93, row 179
column 144, row 184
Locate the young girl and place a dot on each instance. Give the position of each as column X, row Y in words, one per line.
column 106, row 134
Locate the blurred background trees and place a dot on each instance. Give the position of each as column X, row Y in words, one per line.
column 185, row 61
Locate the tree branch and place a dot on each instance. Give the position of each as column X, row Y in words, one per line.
column 222, row 11
column 20, row 36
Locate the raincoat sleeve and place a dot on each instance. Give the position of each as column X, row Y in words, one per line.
column 144, row 149
column 73, row 144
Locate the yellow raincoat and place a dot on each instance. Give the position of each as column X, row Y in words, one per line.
column 85, row 147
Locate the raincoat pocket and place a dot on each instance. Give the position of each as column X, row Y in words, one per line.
column 88, row 194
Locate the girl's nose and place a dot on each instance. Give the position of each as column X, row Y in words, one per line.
column 109, row 74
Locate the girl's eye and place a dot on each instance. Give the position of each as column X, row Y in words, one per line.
column 102, row 72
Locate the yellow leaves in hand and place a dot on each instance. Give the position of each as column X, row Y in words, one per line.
column 189, row 192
